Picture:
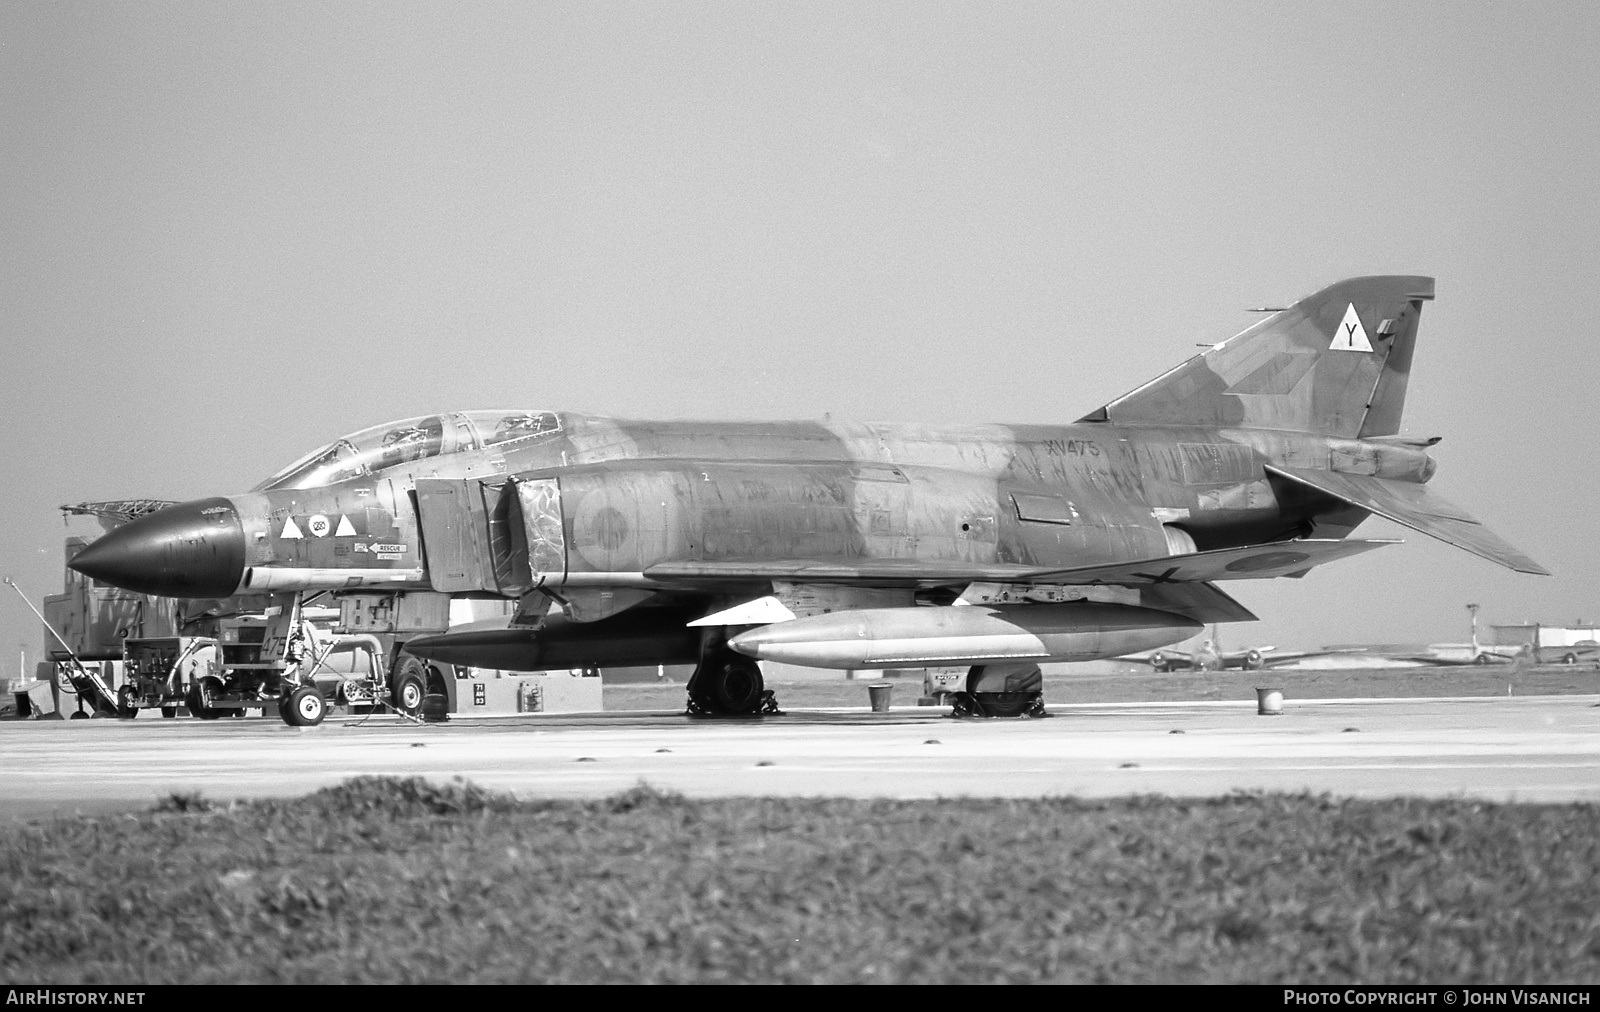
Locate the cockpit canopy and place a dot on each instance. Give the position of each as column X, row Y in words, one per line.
column 412, row 439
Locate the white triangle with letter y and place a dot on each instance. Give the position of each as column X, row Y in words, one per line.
column 1351, row 336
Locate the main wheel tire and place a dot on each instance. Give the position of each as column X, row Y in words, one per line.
column 307, row 707
column 409, row 684
column 739, row 686
column 1006, row 704
column 728, row 685
column 1570, row 659
column 128, row 702
column 1481, row 659
column 1005, row 679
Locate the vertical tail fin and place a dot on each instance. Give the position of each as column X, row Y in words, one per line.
column 1335, row 362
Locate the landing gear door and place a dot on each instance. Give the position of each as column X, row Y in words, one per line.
column 454, row 535
column 547, row 542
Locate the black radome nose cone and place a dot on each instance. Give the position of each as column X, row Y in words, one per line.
column 193, row 549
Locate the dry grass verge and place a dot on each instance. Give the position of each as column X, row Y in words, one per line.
column 382, row 880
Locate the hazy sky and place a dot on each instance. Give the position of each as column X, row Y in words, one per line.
column 231, row 232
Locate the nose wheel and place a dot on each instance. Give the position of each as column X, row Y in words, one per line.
column 305, row 707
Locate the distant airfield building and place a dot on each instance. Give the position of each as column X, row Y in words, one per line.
column 1551, row 643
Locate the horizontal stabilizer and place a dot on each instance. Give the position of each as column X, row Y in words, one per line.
column 1280, row 558
column 1416, row 507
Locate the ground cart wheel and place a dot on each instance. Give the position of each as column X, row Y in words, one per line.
column 200, row 696
column 128, row 702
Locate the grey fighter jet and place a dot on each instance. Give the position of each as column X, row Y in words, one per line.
column 852, row 546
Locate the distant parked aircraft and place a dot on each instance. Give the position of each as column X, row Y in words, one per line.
column 1208, row 658
column 1399, row 655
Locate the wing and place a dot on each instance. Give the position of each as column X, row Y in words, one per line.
column 865, row 572
column 1279, row 558
column 1281, row 657
column 1165, row 655
column 1241, row 658
column 1415, row 507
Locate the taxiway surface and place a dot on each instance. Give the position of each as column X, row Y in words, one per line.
column 1538, row 748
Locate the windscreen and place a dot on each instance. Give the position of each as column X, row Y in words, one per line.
column 370, row 450
column 407, row 441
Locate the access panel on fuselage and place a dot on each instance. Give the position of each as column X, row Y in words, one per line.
column 453, row 527
column 472, row 536
column 1079, row 526
column 750, row 512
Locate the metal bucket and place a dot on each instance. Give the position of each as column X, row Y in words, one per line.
column 33, row 699
column 1269, row 702
column 879, row 693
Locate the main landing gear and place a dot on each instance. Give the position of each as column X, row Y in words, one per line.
column 728, row 684
column 1001, row 690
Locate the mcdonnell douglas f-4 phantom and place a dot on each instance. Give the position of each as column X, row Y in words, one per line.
column 852, row 546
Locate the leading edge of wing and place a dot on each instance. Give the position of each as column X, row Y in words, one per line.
column 1278, row 558
column 1254, row 562
column 885, row 572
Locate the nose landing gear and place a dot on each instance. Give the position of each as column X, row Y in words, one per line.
column 304, row 707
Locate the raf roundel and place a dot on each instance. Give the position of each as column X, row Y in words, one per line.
column 319, row 525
